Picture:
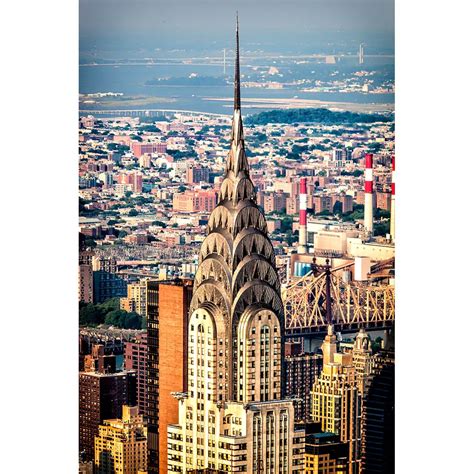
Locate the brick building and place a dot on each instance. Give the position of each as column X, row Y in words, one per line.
column 197, row 174
column 135, row 358
column 101, row 397
column 167, row 316
column 140, row 148
column 194, row 201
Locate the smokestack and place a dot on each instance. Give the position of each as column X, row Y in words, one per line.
column 369, row 193
column 392, row 202
column 303, row 247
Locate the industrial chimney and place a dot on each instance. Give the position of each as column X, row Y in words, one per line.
column 369, row 193
column 303, row 234
column 392, row 202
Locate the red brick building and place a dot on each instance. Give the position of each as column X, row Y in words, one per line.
column 140, row 148
column 195, row 201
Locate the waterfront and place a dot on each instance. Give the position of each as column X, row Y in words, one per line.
column 131, row 80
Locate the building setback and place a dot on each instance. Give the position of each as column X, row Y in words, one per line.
column 120, row 446
column 232, row 417
column 101, row 397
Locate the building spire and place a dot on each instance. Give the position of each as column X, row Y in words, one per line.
column 237, row 67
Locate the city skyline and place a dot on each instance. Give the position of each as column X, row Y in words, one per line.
column 234, row 269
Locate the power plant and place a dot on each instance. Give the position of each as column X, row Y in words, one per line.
column 369, row 194
column 303, row 232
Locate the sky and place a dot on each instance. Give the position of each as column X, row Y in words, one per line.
column 296, row 25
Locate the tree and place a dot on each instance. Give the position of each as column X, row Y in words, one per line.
column 381, row 228
column 90, row 243
column 159, row 223
column 133, row 213
column 122, row 319
column 337, row 209
column 91, row 315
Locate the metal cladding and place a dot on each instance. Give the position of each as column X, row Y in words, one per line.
column 303, row 248
column 236, row 272
column 392, row 202
column 237, row 68
column 369, row 193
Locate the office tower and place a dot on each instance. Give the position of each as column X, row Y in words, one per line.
column 107, row 284
column 232, row 417
column 336, row 399
column 378, row 417
column 325, row 454
column 101, row 397
column 174, row 299
column 167, row 322
column 301, row 371
column 303, row 234
column 135, row 358
column 121, row 446
column 152, row 373
column 369, row 193
column 136, row 298
column 392, row 203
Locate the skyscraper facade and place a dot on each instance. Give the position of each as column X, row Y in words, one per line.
column 167, row 325
column 101, row 397
column 135, row 358
column 378, row 416
column 232, row 417
column 337, row 400
column 120, row 446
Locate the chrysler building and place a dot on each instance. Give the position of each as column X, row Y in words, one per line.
column 232, row 417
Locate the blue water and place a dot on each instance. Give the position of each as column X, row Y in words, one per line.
column 130, row 80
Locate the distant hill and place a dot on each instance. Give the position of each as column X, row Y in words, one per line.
column 324, row 116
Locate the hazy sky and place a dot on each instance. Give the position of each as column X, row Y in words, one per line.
column 137, row 24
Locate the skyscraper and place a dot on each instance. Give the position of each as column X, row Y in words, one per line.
column 120, row 446
column 378, row 417
column 167, row 325
column 232, row 417
column 101, row 397
column 135, row 358
column 337, row 400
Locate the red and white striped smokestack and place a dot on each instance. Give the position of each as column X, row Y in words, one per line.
column 392, row 202
column 369, row 193
column 303, row 240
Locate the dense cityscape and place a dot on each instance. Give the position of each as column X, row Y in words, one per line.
column 236, row 287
